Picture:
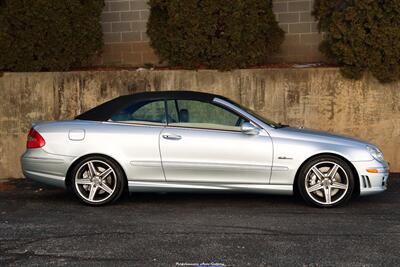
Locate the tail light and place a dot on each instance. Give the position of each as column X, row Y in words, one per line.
column 35, row 140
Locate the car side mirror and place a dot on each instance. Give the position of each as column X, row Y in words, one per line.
column 250, row 129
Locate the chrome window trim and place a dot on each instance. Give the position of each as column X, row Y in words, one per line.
column 199, row 128
column 150, row 124
column 263, row 132
column 164, row 125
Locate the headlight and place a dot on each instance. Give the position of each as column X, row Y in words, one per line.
column 375, row 153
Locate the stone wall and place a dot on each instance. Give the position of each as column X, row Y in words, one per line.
column 314, row 98
column 126, row 43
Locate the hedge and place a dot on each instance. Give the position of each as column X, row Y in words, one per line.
column 362, row 35
column 212, row 33
column 47, row 35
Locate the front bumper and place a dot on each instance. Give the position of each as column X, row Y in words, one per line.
column 43, row 167
column 372, row 182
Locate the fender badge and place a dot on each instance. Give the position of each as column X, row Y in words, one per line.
column 284, row 158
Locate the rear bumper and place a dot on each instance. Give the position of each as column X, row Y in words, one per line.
column 372, row 183
column 46, row 168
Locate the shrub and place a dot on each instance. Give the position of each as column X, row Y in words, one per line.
column 213, row 33
column 44, row 35
column 362, row 35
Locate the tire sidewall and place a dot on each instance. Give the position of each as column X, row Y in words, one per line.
column 303, row 173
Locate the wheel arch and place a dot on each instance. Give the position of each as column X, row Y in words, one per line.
column 79, row 159
column 353, row 169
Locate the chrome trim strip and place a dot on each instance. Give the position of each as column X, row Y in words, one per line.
column 211, row 165
column 171, row 185
column 150, row 124
column 280, row 168
column 146, row 163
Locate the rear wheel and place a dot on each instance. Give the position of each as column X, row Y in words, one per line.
column 326, row 182
column 97, row 180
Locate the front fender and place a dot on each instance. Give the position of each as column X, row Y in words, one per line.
column 290, row 154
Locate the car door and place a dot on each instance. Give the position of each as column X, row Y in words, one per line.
column 139, row 127
column 203, row 143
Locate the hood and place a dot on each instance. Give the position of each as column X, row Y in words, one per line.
column 320, row 136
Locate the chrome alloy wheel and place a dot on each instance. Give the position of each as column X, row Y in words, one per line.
column 326, row 182
column 95, row 181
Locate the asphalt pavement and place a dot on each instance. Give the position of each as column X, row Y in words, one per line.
column 45, row 226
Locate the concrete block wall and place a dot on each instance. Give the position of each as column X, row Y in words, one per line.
column 124, row 28
column 302, row 38
column 126, row 43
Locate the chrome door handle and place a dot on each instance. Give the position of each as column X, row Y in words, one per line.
column 172, row 136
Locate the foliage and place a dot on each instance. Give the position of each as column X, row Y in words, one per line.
column 44, row 35
column 212, row 33
column 361, row 35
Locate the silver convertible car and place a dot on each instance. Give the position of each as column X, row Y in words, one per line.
column 181, row 140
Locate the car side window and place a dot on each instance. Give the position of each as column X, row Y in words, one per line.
column 149, row 112
column 198, row 114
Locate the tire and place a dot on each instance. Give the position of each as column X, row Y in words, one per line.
column 326, row 181
column 97, row 180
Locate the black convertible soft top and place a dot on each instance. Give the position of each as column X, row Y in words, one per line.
column 104, row 111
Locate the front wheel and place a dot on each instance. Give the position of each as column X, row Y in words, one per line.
column 97, row 180
column 326, row 182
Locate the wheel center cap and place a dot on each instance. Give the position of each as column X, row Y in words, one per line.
column 326, row 182
column 96, row 180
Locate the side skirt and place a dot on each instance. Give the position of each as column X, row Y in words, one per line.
column 142, row 186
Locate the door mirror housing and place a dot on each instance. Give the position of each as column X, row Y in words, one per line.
column 250, row 129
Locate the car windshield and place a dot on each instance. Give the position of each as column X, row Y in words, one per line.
column 261, row 117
